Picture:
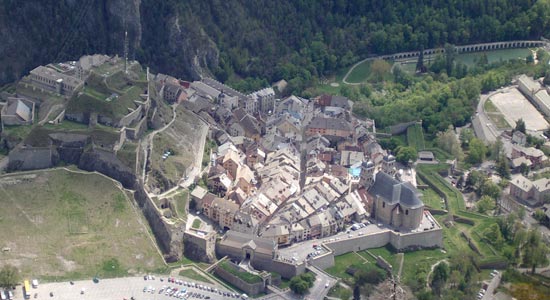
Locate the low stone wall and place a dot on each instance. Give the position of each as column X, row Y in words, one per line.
column 249, row 288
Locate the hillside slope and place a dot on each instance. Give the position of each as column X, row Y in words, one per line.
column 253, row 38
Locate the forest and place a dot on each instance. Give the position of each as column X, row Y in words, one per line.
column 303, row 40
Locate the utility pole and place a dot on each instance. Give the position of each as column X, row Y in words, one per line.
column 125, row 51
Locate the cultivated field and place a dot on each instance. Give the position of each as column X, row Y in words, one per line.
column 60, row 224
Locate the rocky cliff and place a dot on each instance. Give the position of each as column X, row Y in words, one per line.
column 37, row 32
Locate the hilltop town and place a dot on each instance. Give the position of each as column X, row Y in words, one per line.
column 262, row 187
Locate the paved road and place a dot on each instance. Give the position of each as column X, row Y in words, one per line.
column 483, row 126
column 323, row 283
column 491, row 288
column 114, row 289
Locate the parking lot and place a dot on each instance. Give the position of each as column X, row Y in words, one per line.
column 128, row 288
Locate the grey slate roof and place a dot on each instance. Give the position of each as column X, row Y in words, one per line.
column 395, row 192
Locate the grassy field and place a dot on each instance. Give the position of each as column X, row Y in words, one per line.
column 362, row 72
column 248, row 277
column 432, row 199
column 60, row 224
column 196, row 224
column 415, row 137
column 180, row 201
column 192, row 274
column 98, row 88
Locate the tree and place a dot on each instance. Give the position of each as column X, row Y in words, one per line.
column 503, row 168
column 477, row 151
column 450, row 55
column 406, row 154
column 520, row 125
column 448, row 141
column 530, row 59
column 534, row 250
column 485, row 204
column 524, row 169
column 439, row 277
column 489, row 188
column 546, row 79
column 420, row 68
column 379, row 69
column 466, row 135
column 9, row 276
column 301, row 284
column 494, row 235
column 373, row 276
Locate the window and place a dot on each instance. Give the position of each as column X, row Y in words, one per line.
column 383, row 204
column 407, row 212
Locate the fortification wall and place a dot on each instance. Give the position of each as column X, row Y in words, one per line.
column 323, row 261
column 360, row 243
column 424, row 239
column 199, row 247
column 128, row 119
column 169, row 238
column 249, row 288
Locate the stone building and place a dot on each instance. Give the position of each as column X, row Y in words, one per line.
column 265, row 99
column 396, row 203
column 54, row 81
column 17, row 111
column 241, row 246
column 335, row 127
column 532, row 192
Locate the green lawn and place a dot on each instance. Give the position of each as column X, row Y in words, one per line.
column 360, row 73
column 180, row 200
column 69, row 225
column 192, row 274
column 247, row 277
column 357, row 261
column 196, row 223
column 432, row 199
column 415, row 137
column 340, row 292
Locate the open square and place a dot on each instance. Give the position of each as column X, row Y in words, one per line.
column 514, row 106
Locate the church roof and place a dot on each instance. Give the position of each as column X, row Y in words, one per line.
column 395, row 192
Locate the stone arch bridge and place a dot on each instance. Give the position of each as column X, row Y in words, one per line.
column 468, row 48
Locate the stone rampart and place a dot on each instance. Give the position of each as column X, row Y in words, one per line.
column 249, row 288
column 323, row 261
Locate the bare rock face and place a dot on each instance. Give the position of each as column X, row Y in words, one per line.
column 36, row 32
column 198, row 51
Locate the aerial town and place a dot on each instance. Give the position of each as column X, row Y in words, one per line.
column 274, row 187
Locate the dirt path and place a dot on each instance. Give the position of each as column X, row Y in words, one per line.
column 431, row 271
column 402, row 258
